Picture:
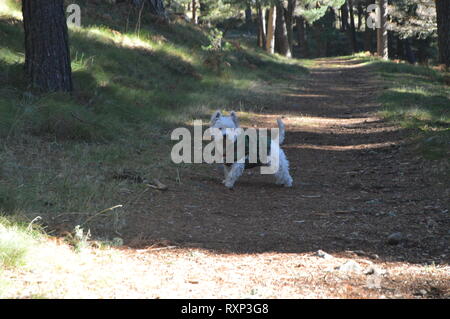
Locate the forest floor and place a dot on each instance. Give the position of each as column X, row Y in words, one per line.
column 367, row 216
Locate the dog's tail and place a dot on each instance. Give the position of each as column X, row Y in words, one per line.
column 281, row 128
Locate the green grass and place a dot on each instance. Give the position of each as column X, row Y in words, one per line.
column 418, row 98
column 124, row 80
column 15, row 241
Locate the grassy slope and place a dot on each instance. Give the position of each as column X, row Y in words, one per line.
column 417, row 98
column 122, row 79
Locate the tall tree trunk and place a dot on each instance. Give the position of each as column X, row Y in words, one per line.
column 157, row 8
column 301, row 37
column 281, row 39
column 443, row 26
column 194, row 12
column 410, row 56
column 360, row 15
column 261, row 27
column 400, row 49
column 289, row 17
column 321, row 45
column 270, row 39
column 248, row 13
column 368, row 32
column 352, row 30
column 382, row 32
column 344, row 17
column 47, row 55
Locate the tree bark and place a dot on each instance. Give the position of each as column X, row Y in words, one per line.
column 47, row 55
column 289, row 17
column 281, row 39
column 400, row 49
column 368, row 32
column 248, row 14
column 382, row 32
column 261, row 27
column 360, row 15
column 321, row 46
column 270, row 39
column 443, row 26
column 194, row 12
column 352, row 26
column 410, row 56
column 344, row 17
column 157, row 8
column 301, row 37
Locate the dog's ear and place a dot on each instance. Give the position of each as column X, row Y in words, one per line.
column 215, row 116
column 234, row 118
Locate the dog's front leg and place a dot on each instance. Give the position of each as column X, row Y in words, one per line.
column 225, row 173
column 233, row 175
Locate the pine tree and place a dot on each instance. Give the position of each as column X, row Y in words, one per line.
column 382, row 32
column 281, row 34
column 443, row 26
column 47, row 56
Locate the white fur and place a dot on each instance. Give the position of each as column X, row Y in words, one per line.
column 282, row 176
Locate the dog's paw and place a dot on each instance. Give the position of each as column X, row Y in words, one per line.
column 288, row 183
column 228, row 184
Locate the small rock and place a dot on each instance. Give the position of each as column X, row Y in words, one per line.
column 372, row 270
column 373, row 281
column 365, row 254
column 392, row 214
column 350, row 266
column 323, row 254
column 395, row 238
column 117, row 241
column 421, row 292
column 431, row 139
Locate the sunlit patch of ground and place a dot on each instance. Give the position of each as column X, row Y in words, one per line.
column 56, row 271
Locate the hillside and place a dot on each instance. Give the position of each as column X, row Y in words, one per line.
column 133, row 82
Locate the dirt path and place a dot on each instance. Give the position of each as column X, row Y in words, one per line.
column 357, row 181
column 355, row 184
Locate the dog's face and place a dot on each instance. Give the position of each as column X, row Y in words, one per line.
column 223, row 123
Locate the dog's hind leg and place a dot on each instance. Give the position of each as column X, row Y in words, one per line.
column 225, row 173
column 233, row 175
column 282, row 176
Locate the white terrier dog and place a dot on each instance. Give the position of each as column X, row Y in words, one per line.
column 275, row 154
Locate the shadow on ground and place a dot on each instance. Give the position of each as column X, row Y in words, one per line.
column 344, row 199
